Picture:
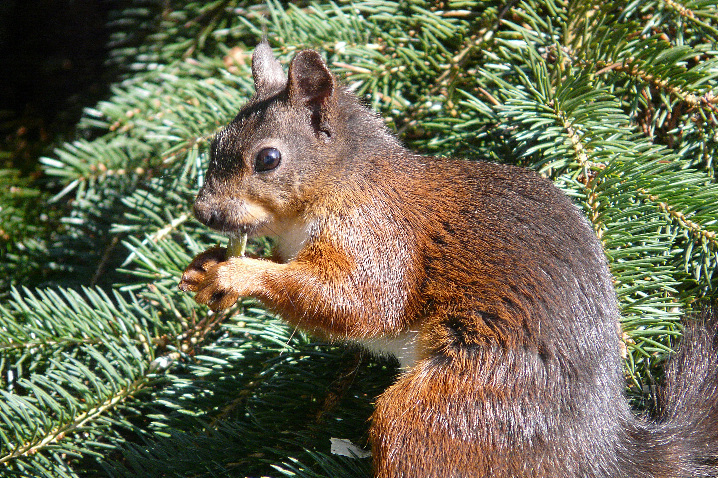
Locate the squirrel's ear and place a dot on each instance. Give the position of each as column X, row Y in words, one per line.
column 266, row 71
column 310, row 81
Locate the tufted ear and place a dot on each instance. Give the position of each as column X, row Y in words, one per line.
column 266, row 71
column 310, row 81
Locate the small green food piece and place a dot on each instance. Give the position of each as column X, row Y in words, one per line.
column 237, row 246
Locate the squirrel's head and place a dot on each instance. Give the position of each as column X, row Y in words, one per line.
column 286, row 147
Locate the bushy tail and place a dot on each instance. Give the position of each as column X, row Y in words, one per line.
column 689, row 416
column 683, row 440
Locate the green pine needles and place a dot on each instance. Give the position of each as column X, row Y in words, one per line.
column 107, row 369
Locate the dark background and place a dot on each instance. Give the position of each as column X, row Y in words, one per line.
column 53, row 55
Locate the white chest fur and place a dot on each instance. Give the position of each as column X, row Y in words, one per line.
column 291, row 237
column 404, row 347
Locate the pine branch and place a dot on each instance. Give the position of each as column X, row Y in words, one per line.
column 68, row 362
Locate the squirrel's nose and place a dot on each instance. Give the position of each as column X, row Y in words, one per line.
column 207, row 213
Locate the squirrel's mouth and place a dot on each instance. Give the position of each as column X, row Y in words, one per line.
column 231, row 217
column 245, row 229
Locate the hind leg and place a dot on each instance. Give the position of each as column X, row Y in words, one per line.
column 423, row 427
column 471, row 417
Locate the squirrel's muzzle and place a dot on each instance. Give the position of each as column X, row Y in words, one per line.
column 231, row 215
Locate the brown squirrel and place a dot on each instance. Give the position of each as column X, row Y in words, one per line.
column 484, row 279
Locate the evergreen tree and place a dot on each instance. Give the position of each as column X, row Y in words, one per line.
column 108, row 369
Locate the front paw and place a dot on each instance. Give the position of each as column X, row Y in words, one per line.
column 217, row 288
column 197, row 270
column 220, row 281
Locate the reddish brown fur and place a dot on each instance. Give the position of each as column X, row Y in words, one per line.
column 518, row 369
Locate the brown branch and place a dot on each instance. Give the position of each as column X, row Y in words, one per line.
column 695, row 228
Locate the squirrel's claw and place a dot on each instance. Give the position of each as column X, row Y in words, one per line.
column 201, row 277
column 216, row 298
column 197, row 270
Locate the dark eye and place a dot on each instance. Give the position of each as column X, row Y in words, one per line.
column 267, row 159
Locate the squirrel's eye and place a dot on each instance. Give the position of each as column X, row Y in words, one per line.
column 267, row 159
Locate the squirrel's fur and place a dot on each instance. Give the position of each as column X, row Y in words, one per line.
column 489, row 279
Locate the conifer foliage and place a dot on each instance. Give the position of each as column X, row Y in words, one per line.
column 107, row 369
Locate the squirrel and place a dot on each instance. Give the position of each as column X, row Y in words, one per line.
column 485, row 280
